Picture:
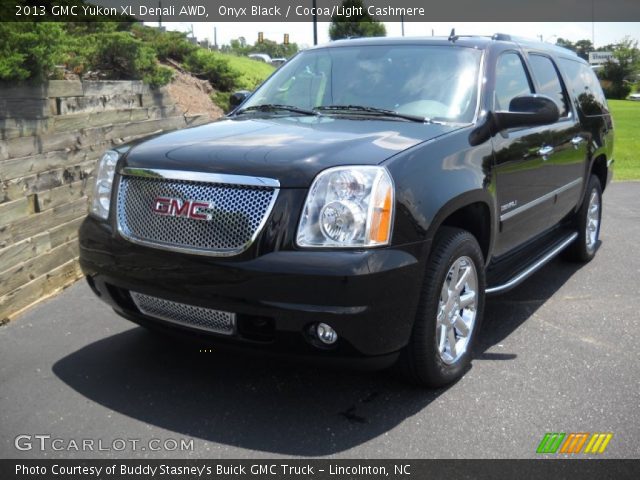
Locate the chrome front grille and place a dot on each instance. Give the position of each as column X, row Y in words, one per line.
column 235, row 215
column 202, row 318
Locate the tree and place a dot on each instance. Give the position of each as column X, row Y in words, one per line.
column 618, row 73
column 275, row 49
column 562, row 42
column 606, row 48
column 583, row 48
column 627, row 54
column 237, row 46
column 363, row 25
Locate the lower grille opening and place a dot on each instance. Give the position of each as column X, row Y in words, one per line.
column 215, row 321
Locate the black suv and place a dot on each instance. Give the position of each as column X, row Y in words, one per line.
column 360, row 203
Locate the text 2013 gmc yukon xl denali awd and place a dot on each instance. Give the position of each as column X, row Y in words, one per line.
column 360, row 203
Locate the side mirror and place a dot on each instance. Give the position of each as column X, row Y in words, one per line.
column 238, row 97
column 527, row 111
column 524, row 111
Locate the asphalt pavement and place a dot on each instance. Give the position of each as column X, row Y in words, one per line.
column 558, row 354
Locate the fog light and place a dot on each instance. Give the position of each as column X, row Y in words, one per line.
column 326, row 334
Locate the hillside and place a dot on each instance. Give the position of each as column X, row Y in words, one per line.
column 252, row 72
column 37, row 51
column 192, row 95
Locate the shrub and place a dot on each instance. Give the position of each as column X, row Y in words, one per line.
column 214, row 67
column 121, row 56
column 614, row 80
column 617, row 91
column 619, row 73
column 168, row 45
column 82, row 29
column 30, row 50
column 173, row 45
column 161, row 76
column 80, row 50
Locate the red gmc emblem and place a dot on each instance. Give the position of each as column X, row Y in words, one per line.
column 175, row 207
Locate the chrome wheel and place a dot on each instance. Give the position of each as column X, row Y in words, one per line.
column 593, row 220
column 457, row 310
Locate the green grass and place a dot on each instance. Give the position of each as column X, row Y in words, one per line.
column 252, row 72
column 626, row 115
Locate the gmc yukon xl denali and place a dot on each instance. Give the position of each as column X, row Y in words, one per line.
column 360, row 204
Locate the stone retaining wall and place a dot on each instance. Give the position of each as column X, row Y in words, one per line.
column 51, row 137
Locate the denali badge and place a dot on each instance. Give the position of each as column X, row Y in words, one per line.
column 175, row 207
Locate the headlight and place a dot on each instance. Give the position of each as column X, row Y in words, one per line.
column 348, row 207
column 104, row 181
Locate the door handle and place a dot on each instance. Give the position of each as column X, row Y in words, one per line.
column 545, row 151
column 576, row 141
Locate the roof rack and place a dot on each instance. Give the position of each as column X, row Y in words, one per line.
column 501, row 36
column 531, row 42
column 505, row 37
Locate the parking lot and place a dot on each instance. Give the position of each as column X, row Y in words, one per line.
column 558, row 354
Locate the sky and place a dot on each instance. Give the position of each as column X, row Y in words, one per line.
column 302, row 32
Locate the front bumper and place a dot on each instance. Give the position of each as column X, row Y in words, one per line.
column 368, row 296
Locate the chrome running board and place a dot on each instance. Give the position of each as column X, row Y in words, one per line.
column 534, row 267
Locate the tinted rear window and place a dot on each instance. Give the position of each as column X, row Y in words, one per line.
column 545, row 72
column 585, row 86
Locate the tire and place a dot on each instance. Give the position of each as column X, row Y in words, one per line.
column 426, row 360
column 588, row 224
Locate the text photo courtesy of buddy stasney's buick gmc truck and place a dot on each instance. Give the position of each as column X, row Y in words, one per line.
column 360, row 204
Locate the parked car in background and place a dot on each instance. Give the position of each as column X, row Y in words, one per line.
column 361, row 203
column 278, row 61
column 261, row 57
column 635, row 97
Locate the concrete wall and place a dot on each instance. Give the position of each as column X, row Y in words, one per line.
column 51, row 137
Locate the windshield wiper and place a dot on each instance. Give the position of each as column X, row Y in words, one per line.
column 374, row 110
column 274, row 107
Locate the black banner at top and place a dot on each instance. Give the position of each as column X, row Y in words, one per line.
column 323, row 10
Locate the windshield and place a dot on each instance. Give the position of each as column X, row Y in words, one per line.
column 436, row 82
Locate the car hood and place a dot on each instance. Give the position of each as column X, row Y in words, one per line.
column 290, row 149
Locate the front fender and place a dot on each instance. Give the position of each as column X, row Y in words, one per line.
column 437, row 178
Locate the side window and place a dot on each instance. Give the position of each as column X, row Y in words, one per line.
column 545, row 72
column 585, row 86
column 511, row 80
